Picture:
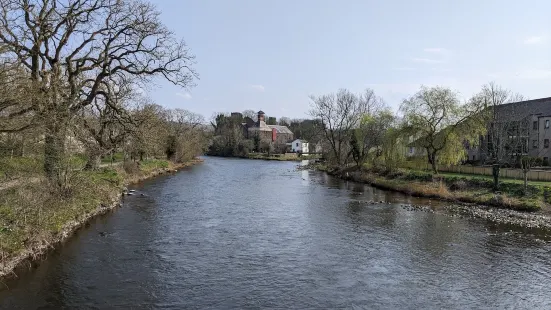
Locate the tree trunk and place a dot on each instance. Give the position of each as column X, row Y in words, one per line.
column 495, row 174
column 525, row 174
column 432, row 161
column 94, row 161
column 54, row 148
column 434, row 168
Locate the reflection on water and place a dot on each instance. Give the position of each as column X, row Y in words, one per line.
column 258, row 234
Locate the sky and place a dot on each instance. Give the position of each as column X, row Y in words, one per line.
column 272, row 55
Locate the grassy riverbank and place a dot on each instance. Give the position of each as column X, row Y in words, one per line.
column 35, row 216
column 280, row 157
column 453, row 188
column 277, row 157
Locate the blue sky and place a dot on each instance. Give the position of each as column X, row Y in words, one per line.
column 272, row 55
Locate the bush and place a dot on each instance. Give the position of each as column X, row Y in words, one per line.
column 458, row 185
column 130, row 167
column 244, row 148
column 418, row 176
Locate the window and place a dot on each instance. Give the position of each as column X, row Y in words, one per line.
column 547, row 124
column 535, row 144
column 474, row 157
column 411, row 150
column 297, row 144
column 535, row 125
column 546, row 143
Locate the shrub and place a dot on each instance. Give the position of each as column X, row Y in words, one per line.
column 418, row 176
column 458, row 185
column 130, row 167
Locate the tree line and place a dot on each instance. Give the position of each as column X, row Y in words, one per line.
column 72, row 80
column 360, row 129
column 230, row 137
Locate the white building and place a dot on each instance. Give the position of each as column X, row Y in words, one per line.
column 299, row 146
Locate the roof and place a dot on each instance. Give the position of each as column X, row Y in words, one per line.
column 261, row 112
column 521, row 109
column 301, row 140
column 261, row 125
column 281, row 129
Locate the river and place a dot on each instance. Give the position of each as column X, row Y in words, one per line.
column 250, row 234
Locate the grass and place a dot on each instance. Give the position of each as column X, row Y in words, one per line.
column 487, row 177
column 117, row 158
column 456, row 187
column 33, row 214
column 153, row 164
column 17, row 167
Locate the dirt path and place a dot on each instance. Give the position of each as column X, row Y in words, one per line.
column 17, row 182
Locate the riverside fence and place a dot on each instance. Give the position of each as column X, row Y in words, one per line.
column 533, row 175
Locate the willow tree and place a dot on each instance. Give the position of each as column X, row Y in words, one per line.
column 441, row 125
column 393, row 148
column 70, row 49
column 368, row 138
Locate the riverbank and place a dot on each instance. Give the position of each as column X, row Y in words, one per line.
column 281, row 157
column 276, row 157
column 34, row 218
column 472, row 198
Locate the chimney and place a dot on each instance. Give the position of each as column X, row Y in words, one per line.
column 260, row 116
column 274, row 134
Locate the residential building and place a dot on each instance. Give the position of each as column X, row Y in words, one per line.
column 518, row 129
column 300, row 146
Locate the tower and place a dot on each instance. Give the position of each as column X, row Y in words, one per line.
column 261, row 116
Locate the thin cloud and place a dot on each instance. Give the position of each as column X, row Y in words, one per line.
column 186, row 96
column 534, row 40
column 258, row 87
column 428, row 60
column 404, row 69
column 435, row 50
column 534, row 74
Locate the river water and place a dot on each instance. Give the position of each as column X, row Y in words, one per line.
column 248, row 234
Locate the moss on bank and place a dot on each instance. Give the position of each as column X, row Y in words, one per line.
column 453, row 188
column 35, row 216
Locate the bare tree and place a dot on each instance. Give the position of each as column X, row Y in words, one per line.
column 284, row 121
column 339, row 113
column 150, row 136
column 70, row 48
column 185, row 138
column 373, row 104
column 251, row 114
column 499, row 124
column 105, row 124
